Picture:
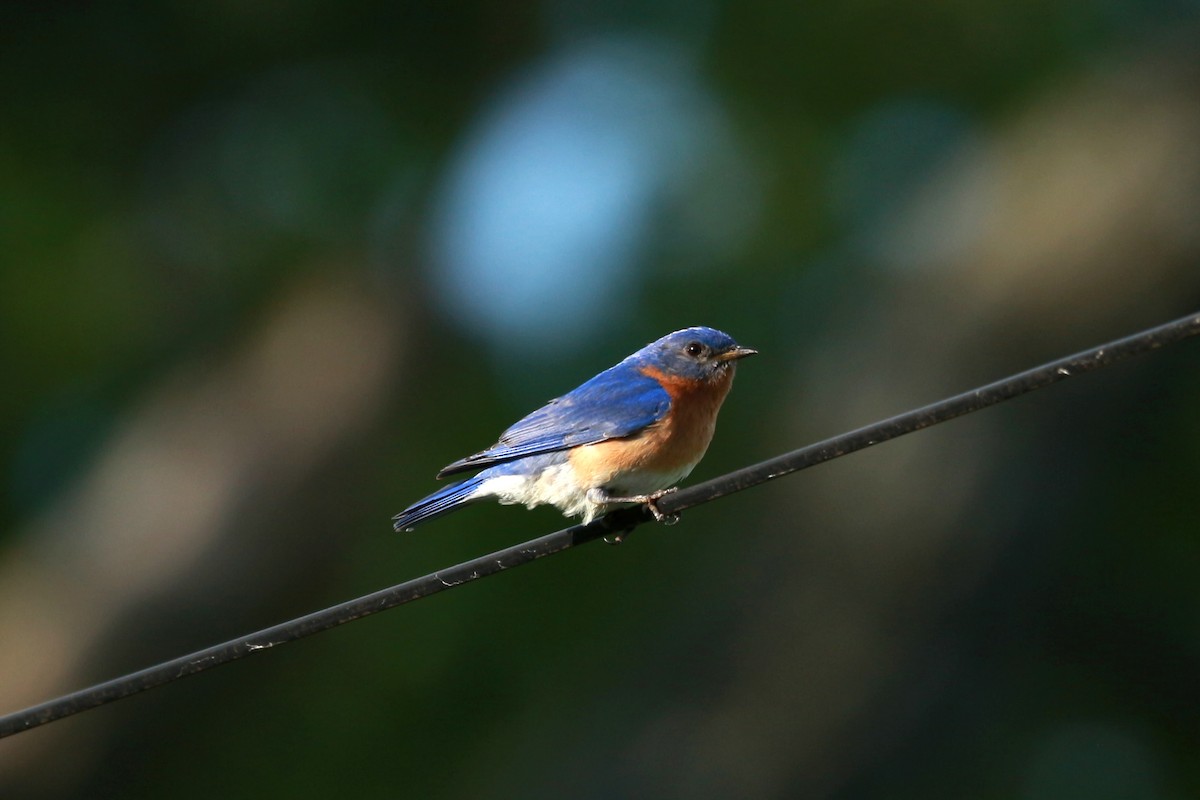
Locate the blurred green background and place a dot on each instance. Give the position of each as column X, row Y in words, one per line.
column 266, row 267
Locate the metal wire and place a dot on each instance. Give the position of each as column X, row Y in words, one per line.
column 619, row 522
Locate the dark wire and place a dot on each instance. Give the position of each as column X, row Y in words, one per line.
column 620, row 521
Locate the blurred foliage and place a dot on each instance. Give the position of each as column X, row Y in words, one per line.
column 170, row 171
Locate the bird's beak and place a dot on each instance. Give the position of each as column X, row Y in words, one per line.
column 736, row 353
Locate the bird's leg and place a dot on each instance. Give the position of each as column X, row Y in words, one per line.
column 600, row 495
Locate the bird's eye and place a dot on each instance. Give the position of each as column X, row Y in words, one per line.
column 694, row 349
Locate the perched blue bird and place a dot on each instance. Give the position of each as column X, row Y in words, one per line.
column 627, row 435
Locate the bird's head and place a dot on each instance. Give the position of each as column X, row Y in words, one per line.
column 693, row 354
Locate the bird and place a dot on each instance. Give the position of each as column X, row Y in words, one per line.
column 627, row 435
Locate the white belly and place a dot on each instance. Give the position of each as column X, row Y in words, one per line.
column 559, row 486
column 646, row 482
column 555, row 485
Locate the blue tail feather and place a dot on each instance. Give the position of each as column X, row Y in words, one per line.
column 435, row 505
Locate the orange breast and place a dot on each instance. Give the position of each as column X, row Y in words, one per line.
column 675, row 442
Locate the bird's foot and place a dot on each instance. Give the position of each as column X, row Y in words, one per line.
column 649, row 500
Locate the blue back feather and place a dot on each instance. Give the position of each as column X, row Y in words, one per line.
column 618, row 402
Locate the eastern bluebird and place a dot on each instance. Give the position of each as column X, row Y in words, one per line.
column 625, row 436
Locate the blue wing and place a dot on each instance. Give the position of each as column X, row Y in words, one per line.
column 616, row 403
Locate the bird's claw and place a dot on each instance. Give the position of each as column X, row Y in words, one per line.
column 617, row 538
column 652, row 504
